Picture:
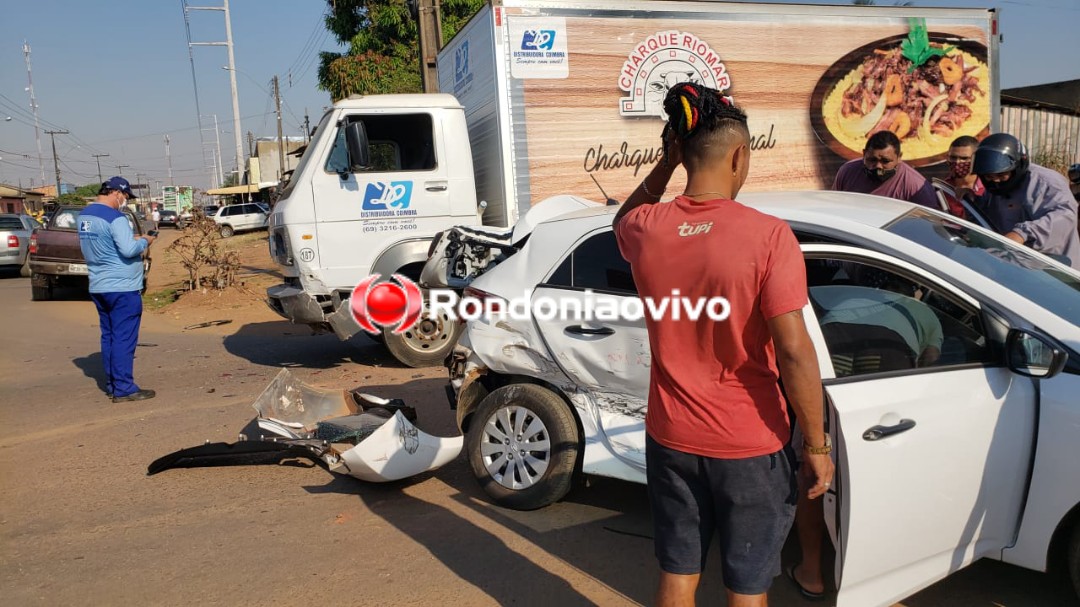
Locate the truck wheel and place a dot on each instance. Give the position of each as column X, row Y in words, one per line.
column 226, row 231
column 523, row 445
column 1072, row 560
column 427, row 343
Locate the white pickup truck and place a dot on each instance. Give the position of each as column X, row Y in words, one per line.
column 542, row 98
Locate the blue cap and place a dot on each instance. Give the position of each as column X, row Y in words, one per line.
column 119, row 183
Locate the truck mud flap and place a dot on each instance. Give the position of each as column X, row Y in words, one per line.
column 349, row 432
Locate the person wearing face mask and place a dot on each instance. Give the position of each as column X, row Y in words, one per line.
column 962, row 183
column 1027, row 203
column 114, row 258
column 881, row 172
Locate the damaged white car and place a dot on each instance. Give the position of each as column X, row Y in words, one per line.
column 950, row 358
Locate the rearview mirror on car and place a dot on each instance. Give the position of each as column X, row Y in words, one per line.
column 1033, row 356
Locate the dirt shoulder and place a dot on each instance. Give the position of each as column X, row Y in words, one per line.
column 169, row 300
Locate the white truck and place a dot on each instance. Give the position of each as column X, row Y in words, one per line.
column 542, row 98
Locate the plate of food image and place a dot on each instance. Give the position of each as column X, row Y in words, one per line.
column 926, row 87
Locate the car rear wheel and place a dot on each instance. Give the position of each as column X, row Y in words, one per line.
column 226, row 231
column 428, row 342
column 523, row 445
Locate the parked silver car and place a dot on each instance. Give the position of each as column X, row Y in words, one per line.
column 15, row 242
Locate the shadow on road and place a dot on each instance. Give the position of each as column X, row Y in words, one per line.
column 92, row 367
column 283, row 344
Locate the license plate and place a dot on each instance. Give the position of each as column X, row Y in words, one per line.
column 78, row 268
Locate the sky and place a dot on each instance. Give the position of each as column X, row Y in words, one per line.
column 118, row 76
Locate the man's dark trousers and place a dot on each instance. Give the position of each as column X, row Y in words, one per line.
column 120, row 314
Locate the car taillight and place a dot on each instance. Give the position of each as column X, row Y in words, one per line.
column 490, row 302
column 13, row 241
column 33, row 243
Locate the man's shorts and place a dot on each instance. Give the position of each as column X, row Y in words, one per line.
column 750, row 502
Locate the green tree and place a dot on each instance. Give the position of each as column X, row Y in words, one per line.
column 81, row 194
column 383, row 41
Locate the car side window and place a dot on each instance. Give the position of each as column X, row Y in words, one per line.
column 596, row 264
column 876, row 319
column 397, row 142
column 251, row 208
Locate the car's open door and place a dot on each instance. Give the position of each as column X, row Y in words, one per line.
column 932, row 459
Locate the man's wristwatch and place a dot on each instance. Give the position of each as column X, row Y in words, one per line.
column 827, row 449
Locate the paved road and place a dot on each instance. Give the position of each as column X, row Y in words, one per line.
column 82, row 523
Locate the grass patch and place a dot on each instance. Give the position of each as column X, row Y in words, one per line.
column 159, row 299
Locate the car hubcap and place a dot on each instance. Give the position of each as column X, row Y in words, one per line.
column 516, row 447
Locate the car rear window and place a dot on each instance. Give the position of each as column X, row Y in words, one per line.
column 10, row 223
column 66, row 219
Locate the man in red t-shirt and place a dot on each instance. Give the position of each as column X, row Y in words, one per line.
column 717, row 451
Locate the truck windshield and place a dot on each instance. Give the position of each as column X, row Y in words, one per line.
column 1011, row 265
column 299, row 170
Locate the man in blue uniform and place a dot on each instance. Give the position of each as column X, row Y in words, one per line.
column 114, row 256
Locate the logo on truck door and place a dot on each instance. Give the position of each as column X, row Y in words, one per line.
column 387, row 199
column 663, row 60
column 538, row 40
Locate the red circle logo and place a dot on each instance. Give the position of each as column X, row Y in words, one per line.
column 386, row 304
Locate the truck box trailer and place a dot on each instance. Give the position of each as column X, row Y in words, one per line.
column 540, row 98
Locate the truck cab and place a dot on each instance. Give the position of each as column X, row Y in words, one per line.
column 381, row 176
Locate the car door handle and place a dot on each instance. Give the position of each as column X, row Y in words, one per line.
column 435, row 187
column 880, row 432
column 580, row 330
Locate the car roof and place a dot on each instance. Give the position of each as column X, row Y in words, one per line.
column 816, row 207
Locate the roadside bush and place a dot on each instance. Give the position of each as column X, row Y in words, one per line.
column 203, row 254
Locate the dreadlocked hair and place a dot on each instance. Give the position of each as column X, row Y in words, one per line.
column 692, row 108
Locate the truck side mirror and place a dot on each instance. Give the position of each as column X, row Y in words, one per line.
column 1033, row 356
column 356, row 142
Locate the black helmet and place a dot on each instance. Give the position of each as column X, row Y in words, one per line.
column 1000, row 153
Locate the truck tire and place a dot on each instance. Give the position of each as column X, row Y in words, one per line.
column 1072, row 560
column 425, row 344
column 523, row 446
column 226, row 231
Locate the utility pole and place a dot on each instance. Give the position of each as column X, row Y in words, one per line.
column 429, row 21
column 56, row 161
column 217, row 135
column 232, row 79
column 280, row 140
column 98, row 158
column 307, row 127
column 120, row 169
column 34, row 108
column 168, row 159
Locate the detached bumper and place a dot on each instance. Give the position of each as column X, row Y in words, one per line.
column 295, row 304
column 301, row 307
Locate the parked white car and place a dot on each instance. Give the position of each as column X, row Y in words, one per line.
column 241, row 217
column 939, row 464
